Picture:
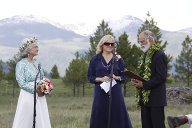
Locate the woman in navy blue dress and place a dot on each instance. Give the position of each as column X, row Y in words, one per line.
column 98, row 72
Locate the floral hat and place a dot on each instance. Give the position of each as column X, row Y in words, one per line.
column 26, row 43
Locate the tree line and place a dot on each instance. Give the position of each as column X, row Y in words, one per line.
column 131, row 55
column 76, row 73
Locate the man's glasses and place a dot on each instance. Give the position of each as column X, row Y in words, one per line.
column 141, row 41
column 108, row 43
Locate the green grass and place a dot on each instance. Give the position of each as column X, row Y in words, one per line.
column 74, row 112
column 67, row 111
column 70, row 112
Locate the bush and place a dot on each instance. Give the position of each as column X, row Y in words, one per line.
column 188, row 98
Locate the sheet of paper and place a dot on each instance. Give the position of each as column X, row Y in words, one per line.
column 105, row 85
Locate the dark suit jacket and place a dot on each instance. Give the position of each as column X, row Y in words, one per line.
column 157, row 81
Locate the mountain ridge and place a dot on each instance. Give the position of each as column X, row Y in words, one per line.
column 60, row 42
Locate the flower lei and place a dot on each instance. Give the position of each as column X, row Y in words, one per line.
column 155, row 47
column 27, row 43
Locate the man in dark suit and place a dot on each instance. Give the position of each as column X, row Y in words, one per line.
column 152, row 94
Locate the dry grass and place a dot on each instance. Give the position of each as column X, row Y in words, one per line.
column 74, row 112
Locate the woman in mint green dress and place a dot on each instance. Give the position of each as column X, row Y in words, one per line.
column 26, row 70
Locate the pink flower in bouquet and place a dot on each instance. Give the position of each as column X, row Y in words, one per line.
column 47, row 80
column 51, row 86
column 45, row 86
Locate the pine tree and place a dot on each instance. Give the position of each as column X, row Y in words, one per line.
column 151, row 25
column 124, row 49
column 83, row 71
column 135, row 56
column 129, row 53
column 102, row 30
column 68, row 78
column 11, row 74
column 54, row 72
column 76, row 74
column 1, row 71
column 183, row 65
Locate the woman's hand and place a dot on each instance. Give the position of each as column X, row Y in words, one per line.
column 105, row 79
column 116, row 77
column 102, row 79
column 40, row 94
column 117, row 57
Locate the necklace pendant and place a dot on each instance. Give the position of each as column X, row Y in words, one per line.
column 107, row 66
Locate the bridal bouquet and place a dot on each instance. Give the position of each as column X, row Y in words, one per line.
column 45, row 86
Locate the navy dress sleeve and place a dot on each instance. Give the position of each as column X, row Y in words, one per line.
column 121, row 65
column 91, row 74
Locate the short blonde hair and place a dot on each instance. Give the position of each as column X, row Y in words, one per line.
column 106, row 38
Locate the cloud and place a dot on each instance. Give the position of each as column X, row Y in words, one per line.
column 78, row 39
column 59, row 52
column 23, row 33
column 2, row 36
column 7, row 52
column 50, row 56
column 73, row 45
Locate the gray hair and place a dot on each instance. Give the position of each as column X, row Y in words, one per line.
column 148, row 34
column 102, row 41
column 26, row 45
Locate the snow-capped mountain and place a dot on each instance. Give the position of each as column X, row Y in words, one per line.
column 187, row 30
column 81, row 29
column 118, row 26
column 123, row 23
column 18, row 19
column 128, row 24
column 58, row 43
